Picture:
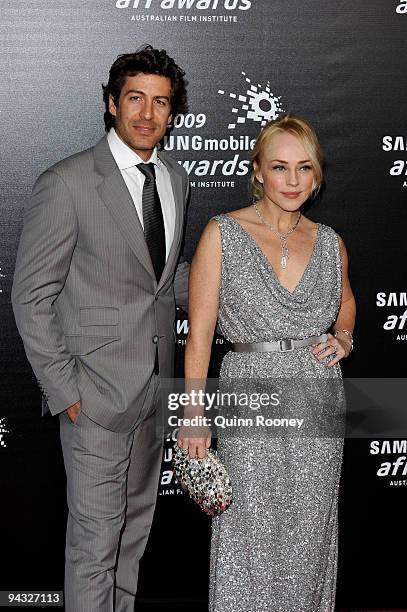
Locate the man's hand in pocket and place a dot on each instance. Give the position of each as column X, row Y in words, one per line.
column 73, row 411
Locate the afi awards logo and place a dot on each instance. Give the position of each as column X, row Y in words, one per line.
column 222, row 159
column 394, row 303
column 401, row 8
column 186, row 11
column 393, row 470
column 398, row 146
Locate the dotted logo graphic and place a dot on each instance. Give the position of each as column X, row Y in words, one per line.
column 1, row 276
column 3, row 432
column 258, row 104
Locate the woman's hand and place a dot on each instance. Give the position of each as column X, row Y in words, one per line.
column 195, row 440
column 337, row 346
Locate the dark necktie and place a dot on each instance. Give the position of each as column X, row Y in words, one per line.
column 153, row 221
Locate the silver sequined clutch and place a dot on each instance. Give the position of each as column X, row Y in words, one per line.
column 206, row 480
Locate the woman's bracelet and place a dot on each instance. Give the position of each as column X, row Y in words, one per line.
column 348, row 333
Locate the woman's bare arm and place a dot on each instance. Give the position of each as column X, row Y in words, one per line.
column 204, row 286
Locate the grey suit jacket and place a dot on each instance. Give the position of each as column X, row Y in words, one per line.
column 85, row 297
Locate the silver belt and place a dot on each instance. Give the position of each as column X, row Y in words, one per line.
column 277, row 346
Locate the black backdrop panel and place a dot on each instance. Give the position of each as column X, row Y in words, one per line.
column 339, row 63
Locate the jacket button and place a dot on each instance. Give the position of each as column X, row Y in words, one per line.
column 155, row 339
column 155, row 298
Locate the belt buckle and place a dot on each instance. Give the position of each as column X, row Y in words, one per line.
column 286, row 345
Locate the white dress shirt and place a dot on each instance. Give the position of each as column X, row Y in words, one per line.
column 127, row 160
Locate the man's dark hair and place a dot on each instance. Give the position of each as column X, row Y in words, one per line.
column 149, row 61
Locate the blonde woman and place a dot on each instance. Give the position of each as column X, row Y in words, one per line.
column 278, row 284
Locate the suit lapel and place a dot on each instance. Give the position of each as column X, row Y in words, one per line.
column 116, row 197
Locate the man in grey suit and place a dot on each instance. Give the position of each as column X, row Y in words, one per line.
column 97, row 277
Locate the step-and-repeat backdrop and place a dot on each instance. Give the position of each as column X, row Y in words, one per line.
column 341, row 65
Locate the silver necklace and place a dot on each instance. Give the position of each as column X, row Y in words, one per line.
column 283, row 237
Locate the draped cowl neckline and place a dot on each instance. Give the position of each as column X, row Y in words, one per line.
column 306, row 282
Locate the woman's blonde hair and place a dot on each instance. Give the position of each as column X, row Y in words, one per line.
column 299, row 127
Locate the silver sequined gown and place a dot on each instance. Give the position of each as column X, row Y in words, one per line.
column 275, row 548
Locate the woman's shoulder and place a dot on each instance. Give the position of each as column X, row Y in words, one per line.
column 329, row 231
column 329, row 238
column 316, row 227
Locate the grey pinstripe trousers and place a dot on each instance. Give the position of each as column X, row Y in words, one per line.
column 112, row 481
